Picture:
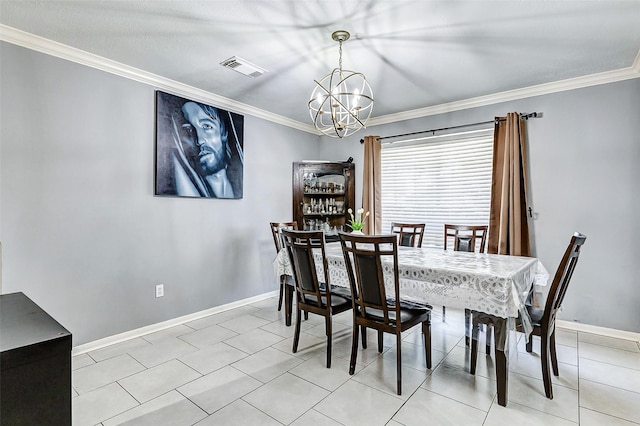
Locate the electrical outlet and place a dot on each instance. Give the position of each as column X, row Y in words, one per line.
column 160, row 290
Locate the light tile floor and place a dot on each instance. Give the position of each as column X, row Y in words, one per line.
column 237, row 368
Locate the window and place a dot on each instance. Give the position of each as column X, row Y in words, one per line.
column 437, row 180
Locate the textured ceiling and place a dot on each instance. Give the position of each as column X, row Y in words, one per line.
column 415, row 54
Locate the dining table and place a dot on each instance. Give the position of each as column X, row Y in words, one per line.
column 494, row 286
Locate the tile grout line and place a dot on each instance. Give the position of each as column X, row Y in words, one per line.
column 301, row 360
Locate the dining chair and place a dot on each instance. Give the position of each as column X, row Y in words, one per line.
column 277, row 240
column 466, row 238
column 312, row 295
column 409, row 234
column 368, row 259
column 543, row 319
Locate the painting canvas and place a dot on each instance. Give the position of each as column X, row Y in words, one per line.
column 199, row 149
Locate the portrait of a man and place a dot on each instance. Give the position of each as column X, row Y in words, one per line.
column 199, row 149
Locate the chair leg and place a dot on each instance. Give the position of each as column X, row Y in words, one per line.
column 474, row 348
column 426, row 332
column 364, row 337
column 306, row 315
column 296, row 334
column 282, row 284
column 399, row 361
column 380, row 339
column 488, row 334
column 354, row 349
column 552, row 350
column 544, row 356
column 288, row 304
column 444, row 312
column 328, row 329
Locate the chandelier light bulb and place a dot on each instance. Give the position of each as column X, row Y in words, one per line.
column 356, row 97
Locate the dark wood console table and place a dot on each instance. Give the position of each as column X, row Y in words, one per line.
column 35, row 363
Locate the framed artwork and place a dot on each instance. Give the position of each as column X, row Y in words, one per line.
column 199, row 149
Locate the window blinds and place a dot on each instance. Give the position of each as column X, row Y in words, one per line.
column 437, row 180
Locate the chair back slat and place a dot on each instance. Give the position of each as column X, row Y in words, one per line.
column 300, row 247
column 562, row 277
column 409, row 234
column 276, row 227
column 465, row 244
column 307, row 275
column 372, row 288
column 366, row 258
column 466, row 237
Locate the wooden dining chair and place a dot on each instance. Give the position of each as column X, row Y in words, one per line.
column 373, row 307
column 465, row 238
column 409, row 234
column 277, row 241
column 543, row 319
column 312, row 295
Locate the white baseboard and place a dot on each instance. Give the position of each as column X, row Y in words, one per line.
column 602, row 331
column 111, row 340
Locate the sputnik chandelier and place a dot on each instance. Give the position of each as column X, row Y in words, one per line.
column 342, row 101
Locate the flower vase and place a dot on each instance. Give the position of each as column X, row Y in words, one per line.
column 358, row 232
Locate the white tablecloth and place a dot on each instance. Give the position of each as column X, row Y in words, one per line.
column 489, row 283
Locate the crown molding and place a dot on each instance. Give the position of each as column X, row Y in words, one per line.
column 40, row 44
column 59, row 50
column 527, row 92
column 636, row 63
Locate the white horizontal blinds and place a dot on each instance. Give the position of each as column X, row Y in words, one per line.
column 437, row 180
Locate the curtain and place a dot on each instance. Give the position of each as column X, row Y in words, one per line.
column 371, row 195
column 508, row 226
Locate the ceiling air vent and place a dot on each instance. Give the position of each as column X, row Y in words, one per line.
column 243, row 67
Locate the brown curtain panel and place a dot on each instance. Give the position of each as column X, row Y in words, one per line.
column 371, row 198
column 508, row 226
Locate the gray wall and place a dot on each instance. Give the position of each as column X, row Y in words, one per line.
column 584, row 176
column 82, row 233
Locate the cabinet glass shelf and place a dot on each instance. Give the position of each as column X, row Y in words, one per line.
column 339, row 194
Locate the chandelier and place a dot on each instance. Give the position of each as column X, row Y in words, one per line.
column 342, row 101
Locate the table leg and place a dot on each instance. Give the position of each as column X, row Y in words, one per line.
column 502, row 358
column 500, row 328
column 467, row 327
column 502, row 375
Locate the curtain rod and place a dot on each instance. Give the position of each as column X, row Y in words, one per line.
column 522, row 116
